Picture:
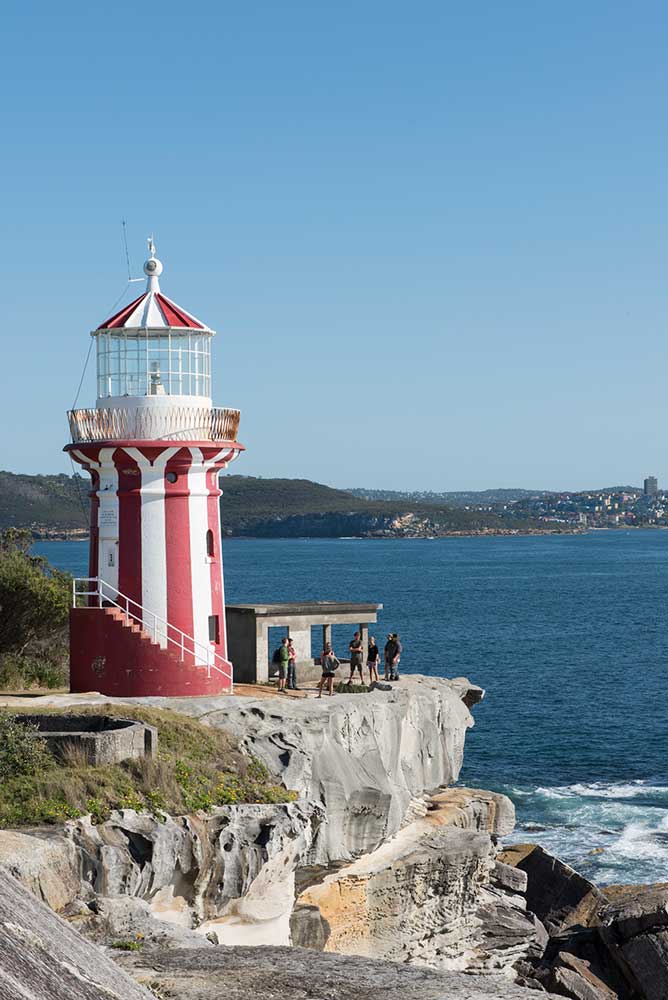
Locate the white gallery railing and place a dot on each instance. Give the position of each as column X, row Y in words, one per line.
column 92, row 591
column 164, row 423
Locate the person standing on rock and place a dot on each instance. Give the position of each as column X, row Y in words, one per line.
column 356, row 648
column 394, row 673
column 283, row 660
column 372, row 660
column 292, row 666
column 330, row 665
column 390, row 650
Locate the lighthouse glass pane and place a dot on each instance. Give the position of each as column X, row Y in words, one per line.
column 142, row 364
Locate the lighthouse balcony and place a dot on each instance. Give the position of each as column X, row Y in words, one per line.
column 164, row 423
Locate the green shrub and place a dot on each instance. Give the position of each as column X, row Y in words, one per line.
column 343, row 688
column 34, row 603
column 22, row 749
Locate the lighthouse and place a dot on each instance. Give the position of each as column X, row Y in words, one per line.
column 150, row 617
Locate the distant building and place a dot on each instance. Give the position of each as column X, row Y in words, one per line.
column 651, row 486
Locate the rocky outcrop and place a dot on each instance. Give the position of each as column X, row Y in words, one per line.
column 557, row 894
column 228, row 874
column 634, row 928
column 605, row 944
column 43, row 958
column 365, row 759
column 432, row 894
column 410, row 900
column 296, row 974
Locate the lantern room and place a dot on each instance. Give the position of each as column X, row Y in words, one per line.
column 153, row 348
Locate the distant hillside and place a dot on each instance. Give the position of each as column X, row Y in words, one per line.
column 44, row 503
column 254, row 507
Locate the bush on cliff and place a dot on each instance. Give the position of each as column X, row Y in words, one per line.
column 34, row 603
column 22, row 750
column 197, row 767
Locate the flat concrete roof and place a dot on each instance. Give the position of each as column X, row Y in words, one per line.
column 298, row 608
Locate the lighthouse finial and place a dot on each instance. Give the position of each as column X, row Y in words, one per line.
column 152, row 268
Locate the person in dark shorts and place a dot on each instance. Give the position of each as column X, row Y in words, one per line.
column 394, row 673
column 330, row 665
column 372, row 660
column 284, row 659
column 390, row 650
column 356, row 648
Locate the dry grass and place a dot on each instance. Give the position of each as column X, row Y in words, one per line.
column 197, row 767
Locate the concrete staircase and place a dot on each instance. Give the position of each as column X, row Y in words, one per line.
column 111, row 653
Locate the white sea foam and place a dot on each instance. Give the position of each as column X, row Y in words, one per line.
column 609, row 831
column 604, row 790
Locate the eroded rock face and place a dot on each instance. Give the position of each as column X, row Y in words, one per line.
column 408, row 901
column 43, row 958
column 230, row 872
column 425, row 897
column 364, row 758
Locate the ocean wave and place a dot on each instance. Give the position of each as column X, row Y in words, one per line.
column 604, row 790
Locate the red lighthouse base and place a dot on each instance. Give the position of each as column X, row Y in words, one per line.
column 117, row 658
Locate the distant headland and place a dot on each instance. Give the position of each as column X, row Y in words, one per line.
column 56, row 507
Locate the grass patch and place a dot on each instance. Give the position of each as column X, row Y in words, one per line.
column 344, row 688
column 134, row 945
column 197, row 767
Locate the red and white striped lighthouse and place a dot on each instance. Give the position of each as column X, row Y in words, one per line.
column 150, row 617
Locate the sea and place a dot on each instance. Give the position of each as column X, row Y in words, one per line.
column 567, row 634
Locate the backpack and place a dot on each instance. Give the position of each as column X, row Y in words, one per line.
column 276, row 658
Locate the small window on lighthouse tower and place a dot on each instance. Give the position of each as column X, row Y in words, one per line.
column 214, row 633
column 209, row 543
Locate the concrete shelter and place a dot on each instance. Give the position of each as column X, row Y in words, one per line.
column 248, row 633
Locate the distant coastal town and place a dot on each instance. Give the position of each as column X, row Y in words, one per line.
column 611, row 507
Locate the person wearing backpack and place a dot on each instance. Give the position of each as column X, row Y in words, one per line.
column 281, row 659
column 330, row 665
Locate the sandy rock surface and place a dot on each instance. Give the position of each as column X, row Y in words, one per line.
column 299, row 974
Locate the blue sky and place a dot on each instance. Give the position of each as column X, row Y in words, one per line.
column 433, row 237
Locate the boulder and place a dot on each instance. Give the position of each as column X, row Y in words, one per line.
column 509, row 878
column 473, row 809
column 307, row 927
column 45, row 863
column 507, row 934
column 558, row 896
column 573, row 977
column 634, row 928
column 43, row 958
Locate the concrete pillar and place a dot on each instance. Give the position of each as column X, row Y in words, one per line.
column 364, row 636
column 262, row 652
column 326, row 635
column 301, row 640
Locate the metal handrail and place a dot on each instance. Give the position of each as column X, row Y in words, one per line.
column 161, row 627
column 172, row 423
